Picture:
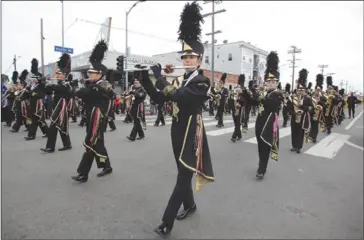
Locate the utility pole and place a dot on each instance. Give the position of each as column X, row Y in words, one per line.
column 62, row 24
column 346, row 87
column 42, row 44
column 322, row 67
column 213, row 32
column 14, row 62
column 293, row 51
column 108, row 31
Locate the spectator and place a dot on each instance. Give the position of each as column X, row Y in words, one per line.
column 352, row 100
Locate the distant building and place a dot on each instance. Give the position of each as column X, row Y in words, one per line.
column 233, row 58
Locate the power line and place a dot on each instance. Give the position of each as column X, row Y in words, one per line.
column 123, row 29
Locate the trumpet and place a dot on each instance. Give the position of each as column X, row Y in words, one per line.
column 167, row 68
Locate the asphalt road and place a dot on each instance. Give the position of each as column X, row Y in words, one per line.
column 316, row 194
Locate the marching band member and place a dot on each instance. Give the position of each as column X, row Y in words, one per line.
column 330, row 104
column 137, row 111
column 128, row 101
column 95, row 94
column 188, row 135
column 318, row 102
column 36, row 102
column 285, row 109
column 266, row 125
column 10, row 97
column 72, row 103
column 237, row 110
column 230, row 101
column 62, row 93
column 160, row 115
column 221, row 94
column 340, row 106
column 300, row 111
column 20, row 106
column 110, row 104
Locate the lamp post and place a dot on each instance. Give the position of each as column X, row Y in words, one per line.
column 126, row 40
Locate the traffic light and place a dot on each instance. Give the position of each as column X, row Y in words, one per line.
column 120, row 63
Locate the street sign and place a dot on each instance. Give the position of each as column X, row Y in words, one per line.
column 63, row 49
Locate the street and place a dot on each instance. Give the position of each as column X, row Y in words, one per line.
column 312, row 195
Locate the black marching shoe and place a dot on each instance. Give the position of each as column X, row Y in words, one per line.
column 80, row 178
column 65, row 148
column 238, row 138
column 314, row 140
column 130, row 138
column 259, row 176
column 140, row 138
column 298, row 150
column 29, row 138
column 104, row 172
column 233, row 140
column 13, row 130
column 44, row 136
column 112, row 129
column 156, row 125
column 184, row 213
column 47, row 150
column 163, row 230
column 293, row 149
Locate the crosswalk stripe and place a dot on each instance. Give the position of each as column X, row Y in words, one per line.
column 329, row 146
column 151, row 122
column 225, row 130
column 284, row 132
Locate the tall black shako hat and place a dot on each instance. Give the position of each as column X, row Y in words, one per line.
column 271, row 72
column 329, row 82
column 223, row 77
column 34, row 69
column 97, row 55
column 319, row 81
column 287, row 88
column 241, row 79
column 302, row 79
column 64, row 64
column 23, row 77
column 14, row 78
column 189, row 32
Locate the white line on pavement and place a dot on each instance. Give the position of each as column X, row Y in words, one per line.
column 329, row 146
column 283, row 132
column 354, row 145
column 225, row 130
column 353, row 121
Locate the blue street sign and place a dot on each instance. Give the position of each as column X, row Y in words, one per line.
column 63, row 49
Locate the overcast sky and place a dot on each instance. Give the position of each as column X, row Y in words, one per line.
column 327, row 32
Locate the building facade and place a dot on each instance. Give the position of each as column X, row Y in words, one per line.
column 232, row 58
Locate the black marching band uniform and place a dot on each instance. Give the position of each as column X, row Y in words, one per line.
column 62, row 93
column 188, row 135
column 329, row 104
column 266, row 125
column 317, row 114
column 221, row 94
column 110, row 109
column 127, row 99
column 137, row 113
column 72, row 103
column 95, row 95
column 286, row 109
column 36, row 96
column 301, row 108
column 21, row 104
column 9, row 99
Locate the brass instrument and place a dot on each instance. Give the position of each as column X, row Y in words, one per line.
column 237, row 105
column 318, row 109
column 329, row 97
column 298, row 112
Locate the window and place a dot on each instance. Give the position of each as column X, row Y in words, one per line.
column 244, row 58
column 218, row 55
column 230, row 57
column 207, row 59
column 250, row 60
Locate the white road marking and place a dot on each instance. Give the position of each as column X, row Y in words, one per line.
column 151, row 122
column 353, row 121
column 283, row 132
column 354, row 145
column 329, row 146
column 225, row 130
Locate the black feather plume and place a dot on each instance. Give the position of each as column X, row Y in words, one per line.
column 309, row 85
column 251, row 84
column 279, row 86
column 329, row 81
column 64, row 62
column 23, row 75
column 15, row 76
column 302, row 78
column 223, row 77
column 272, row 65
column 288, row 87
column 98, row 53
column 342, row 91
column 34, row 67
column 319, row 80
column 241, row 79
column 189, row 28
